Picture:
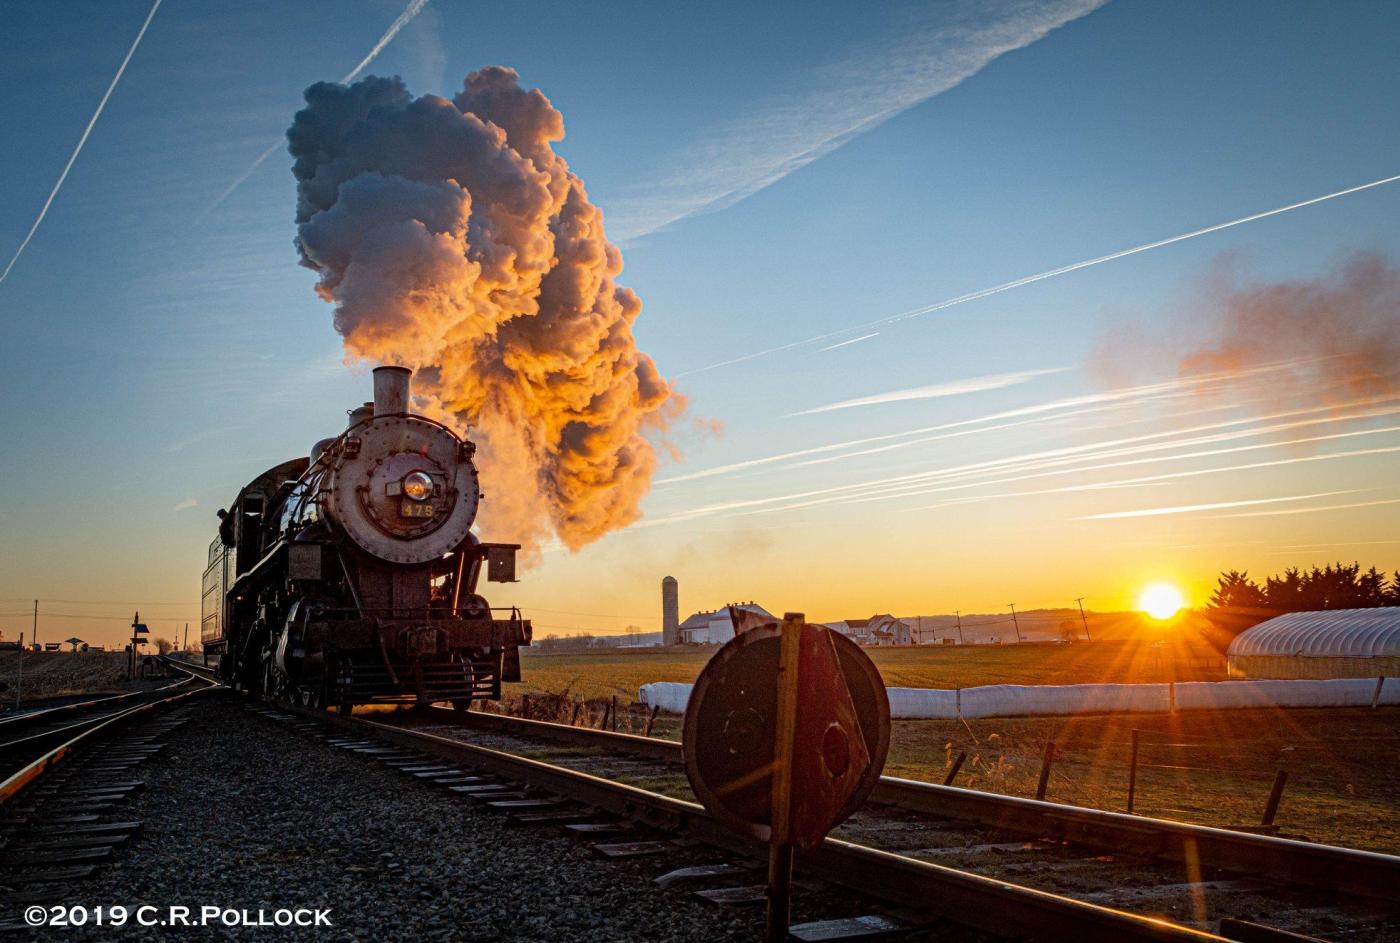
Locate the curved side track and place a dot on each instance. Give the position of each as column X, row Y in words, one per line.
column 64, row 785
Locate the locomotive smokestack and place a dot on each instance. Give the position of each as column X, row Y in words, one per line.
column 391, row 390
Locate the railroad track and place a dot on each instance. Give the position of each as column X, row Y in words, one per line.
column 921, row 851
column 64, row 775
column 27, row 734
column 1344, row 870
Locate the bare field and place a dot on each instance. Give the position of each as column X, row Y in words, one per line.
column 49, row 674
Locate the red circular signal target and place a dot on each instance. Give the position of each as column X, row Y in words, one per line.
column 839, row 737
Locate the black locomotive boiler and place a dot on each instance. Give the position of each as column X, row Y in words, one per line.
column 350, row 576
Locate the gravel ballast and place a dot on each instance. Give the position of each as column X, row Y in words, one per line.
column 242, row 811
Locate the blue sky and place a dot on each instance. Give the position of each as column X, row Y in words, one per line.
column 160, row 345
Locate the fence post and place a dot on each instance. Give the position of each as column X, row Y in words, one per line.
column 957, row 765
column 1132, row 774
column 614, row 713
column 957, row 702
column 1376, row 698
column 1275, row 796
column 651, row 719
column 1045, row 769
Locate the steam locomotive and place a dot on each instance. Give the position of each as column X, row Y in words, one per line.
column 350, row 576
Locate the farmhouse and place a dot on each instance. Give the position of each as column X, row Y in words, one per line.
column 1336, row 643
column 882, row 629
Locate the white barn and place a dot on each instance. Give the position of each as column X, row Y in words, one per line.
column 1334, row 643
column 715, row 627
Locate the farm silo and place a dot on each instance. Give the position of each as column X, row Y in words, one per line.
column 670, row 611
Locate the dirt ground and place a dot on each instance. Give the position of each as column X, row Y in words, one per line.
column 1208, row 767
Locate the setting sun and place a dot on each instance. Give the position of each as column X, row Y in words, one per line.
column 1161, row 600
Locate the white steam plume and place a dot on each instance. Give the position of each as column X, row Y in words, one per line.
column 453, row 240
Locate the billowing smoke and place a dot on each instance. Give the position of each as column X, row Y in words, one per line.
column 1339, row 334
column 454, row 241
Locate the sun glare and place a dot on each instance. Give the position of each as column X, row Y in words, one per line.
column 1161, row 600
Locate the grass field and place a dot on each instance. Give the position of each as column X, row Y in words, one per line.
column 621, row 672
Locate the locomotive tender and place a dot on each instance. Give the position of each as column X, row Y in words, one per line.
column 350, row 576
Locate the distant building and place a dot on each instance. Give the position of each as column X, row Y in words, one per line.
column 670, row 611
column 881, row 629
column 1336, row 643
column 715, row 627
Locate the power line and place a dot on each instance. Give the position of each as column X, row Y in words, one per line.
column 598, row 615
column 99, row 602
column 74, row 615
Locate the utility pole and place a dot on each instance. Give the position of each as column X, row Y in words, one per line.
column 961, row 640
column 35, row 632
column 19, row 682
column 1014, row 621
column 186, row 646
column 1084, row 619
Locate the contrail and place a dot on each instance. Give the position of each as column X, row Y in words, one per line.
column 1165, row 388
column 1192, row 508
column 1056, row 460
column 938, row 390
column 412, row 10
column 1325, row 507
column 81, row 141
column 853, row 340
column 1063, row 270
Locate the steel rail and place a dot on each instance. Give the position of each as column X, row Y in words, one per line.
column 1347, row 870
column 15, row 783
column 970, row 899
column 19, row 743
column 202, row 672
column 23, row 717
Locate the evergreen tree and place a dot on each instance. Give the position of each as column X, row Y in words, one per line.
column 1238, row 602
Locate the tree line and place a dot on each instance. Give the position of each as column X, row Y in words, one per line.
column 1239, row 602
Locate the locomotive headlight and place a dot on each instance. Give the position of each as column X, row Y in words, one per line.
column 417, row 486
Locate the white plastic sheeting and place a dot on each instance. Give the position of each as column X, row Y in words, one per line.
column 670, row 696
column 1332, row 692
column 1020, row 700
column 1348, row 633
column 1010, row 700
